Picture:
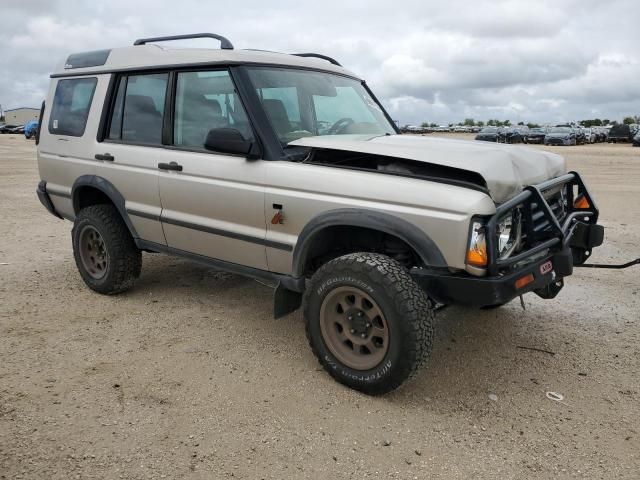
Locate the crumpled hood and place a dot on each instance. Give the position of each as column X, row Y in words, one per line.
column 506, row 169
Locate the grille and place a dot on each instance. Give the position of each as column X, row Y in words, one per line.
column 537, row 225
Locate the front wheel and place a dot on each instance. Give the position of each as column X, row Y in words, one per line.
column 367, row 321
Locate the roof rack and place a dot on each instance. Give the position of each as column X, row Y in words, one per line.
column 225, row 44
column 317, row 55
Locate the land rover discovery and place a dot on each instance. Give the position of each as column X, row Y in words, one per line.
column 287, row 168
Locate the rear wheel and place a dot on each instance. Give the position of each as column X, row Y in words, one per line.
column 105, row 253
column 368, row 323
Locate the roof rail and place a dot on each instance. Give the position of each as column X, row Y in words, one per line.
column 225, row 44
column 317, row 55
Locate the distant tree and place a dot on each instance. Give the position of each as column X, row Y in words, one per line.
column 491, row 123
column 596, row 122
column 424, row 124
column 521, row 123
column 532, row 125
column 629, row 120
column 2, row 118
column 614, row 122
column 433, row 125
column 606, row 121
column 469, row 122
column 480, row 123
column 507, row 123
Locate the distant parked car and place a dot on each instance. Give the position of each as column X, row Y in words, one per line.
column 7, row 128
column 590, row 135
column 620, row 133
column 17, row 130
column 510, row 135
column 581, row 137
column 30, row 129
column 636, row 140
column 488, row 134
column 600, row 134
column 560, row 136
column 413, row 129
column 535, row 135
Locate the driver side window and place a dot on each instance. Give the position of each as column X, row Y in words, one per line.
column 204, row 101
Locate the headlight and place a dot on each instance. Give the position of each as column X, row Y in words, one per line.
column 477, row 250
column 509, row 233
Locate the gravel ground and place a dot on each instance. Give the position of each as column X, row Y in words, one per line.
column 188, row 375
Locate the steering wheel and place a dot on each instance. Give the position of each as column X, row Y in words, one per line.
column 340, row 125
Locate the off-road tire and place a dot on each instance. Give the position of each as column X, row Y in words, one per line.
column 124, row 258
column 408, row 312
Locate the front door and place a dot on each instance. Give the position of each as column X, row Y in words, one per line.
column 212, row 203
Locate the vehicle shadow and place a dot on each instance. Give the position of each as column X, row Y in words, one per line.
column 475, row 352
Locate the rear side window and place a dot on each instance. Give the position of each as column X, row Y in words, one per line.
column 138, row 110
column 71, row 105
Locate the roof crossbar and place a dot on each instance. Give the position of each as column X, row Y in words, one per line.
column 318, row 55
column 225, row 44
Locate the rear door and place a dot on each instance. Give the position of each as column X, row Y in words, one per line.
column 213, row 203
column 132, row 145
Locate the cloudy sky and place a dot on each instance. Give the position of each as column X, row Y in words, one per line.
column 437, row 61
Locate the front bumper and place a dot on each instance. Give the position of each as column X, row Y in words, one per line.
column 557, row 141
column 548, row 256
column 465, row 289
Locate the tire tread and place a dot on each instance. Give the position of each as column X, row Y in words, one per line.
column 125, row 258
column 410, row 303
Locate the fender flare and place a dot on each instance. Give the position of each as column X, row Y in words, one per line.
column 419, row 241
column 106, row 187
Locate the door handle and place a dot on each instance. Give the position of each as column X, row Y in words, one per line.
column 105, row 156
column 170, row 166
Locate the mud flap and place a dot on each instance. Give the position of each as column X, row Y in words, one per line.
column 285, row 301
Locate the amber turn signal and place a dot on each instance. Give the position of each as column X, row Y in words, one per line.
column 581, row 202
column 524, row 281
column 477, row 256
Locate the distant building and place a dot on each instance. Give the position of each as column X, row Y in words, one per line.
column 20, row 116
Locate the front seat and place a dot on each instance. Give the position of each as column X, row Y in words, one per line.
column 278, row 116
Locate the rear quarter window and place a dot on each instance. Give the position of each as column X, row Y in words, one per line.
column 71, row 105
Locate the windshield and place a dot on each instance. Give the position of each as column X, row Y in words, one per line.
column 560, row 130
column 301, row 103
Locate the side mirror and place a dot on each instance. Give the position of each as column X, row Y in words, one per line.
column 229, row 140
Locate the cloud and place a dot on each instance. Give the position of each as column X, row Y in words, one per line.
column 548, row 61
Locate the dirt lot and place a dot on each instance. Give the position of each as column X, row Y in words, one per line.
column 188, row 376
